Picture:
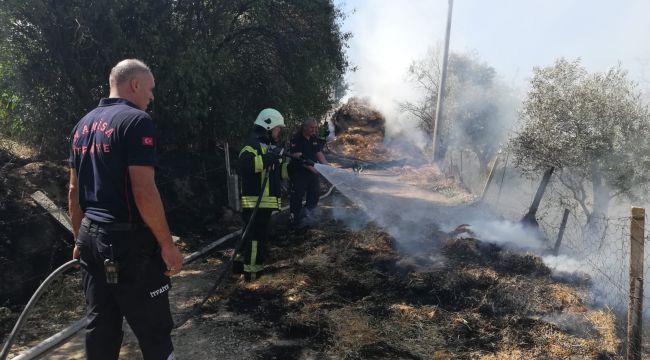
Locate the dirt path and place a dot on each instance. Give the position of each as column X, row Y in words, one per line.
column 189, row 287
column 217, row 333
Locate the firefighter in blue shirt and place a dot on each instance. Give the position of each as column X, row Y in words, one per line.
column 304, row 176
column 260, row 158
column 119, row 221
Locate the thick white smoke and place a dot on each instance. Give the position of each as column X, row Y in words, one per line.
column 387, row 37
column 512, row 37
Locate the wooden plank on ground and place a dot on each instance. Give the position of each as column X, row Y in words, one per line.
column 58, row 214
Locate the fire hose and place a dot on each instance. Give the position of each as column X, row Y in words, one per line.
column 197, row 309
column 227, row 267
column 23, row 316
column 76, row 262
column 358, row 166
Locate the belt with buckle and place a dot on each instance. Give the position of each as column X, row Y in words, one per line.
column 113, row 226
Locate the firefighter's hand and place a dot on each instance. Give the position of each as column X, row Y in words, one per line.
column 313, row 169
column 277, row 150
column 76, row 254
column 309, row 163
column 172, row 258
column 270, row 159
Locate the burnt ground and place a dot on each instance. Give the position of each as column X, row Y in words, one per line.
column 335, row 293
column 343, row 294
column 31, row 243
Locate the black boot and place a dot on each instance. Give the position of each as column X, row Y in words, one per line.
column 238, row 265
column 252, row 276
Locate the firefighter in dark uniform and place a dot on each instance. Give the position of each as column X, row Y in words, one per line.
column 260, row 158
column 304, row 176
column 119, row 222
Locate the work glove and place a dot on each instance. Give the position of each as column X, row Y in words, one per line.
column 272, row 157
column 301, row 160
column 306, row 161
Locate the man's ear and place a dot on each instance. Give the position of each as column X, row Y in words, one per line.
column 134, row 84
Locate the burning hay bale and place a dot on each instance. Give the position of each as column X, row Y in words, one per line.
column 358, row 117
column 360, row 144
column 360, row 131
column 362, row 147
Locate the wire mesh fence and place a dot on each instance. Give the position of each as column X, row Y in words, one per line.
column 595, row 246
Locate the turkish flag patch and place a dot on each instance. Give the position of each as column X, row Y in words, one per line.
column 147, row 141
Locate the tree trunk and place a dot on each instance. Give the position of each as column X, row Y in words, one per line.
column 597, row 221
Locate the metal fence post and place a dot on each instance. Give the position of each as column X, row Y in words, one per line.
column 503, row 177
column 489, row 178
column 232, row 183
column 634, row 311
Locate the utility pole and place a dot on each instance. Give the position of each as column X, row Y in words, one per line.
column 443, row 80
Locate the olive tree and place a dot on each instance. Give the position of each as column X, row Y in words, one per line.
column 478, row 107
column 593, row 127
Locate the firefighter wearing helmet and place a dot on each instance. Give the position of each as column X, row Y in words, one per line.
column 260, row 163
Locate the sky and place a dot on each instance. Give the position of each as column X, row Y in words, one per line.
column 513, row 36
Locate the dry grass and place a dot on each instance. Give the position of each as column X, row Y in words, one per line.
column 367, row 147
column 17, row 149
column 352, row 330
column 567, row 297
column 62, row 304
column 604, row 322
column 354, row 297
column 349, row 295
column 421, row 175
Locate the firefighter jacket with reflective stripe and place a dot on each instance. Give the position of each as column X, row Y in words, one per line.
column 251, row 167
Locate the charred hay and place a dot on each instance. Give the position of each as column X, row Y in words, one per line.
column 360, row 131
column 357, row 116
column 351, row 296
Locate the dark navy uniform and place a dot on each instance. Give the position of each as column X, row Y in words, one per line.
column 105, row 142
column 254, row 164
column 302, row 179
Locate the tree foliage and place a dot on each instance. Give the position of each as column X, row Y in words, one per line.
column 594, row 127
column 477, row 107
column 216, row 63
